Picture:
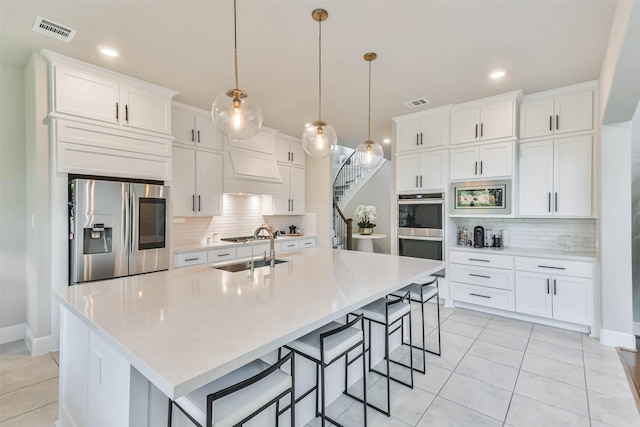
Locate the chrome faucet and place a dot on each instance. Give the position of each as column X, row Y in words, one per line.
column 272, row 250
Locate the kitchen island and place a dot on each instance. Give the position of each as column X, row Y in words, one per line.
column 127, row 344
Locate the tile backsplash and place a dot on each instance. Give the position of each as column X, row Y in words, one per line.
column 553, row 234
column 242, row 214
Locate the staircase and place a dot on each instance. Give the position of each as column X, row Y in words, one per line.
column 348, row 180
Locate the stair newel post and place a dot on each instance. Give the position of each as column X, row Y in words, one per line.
column 349, row 234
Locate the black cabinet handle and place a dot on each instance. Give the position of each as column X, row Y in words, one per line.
column 478, row 259
column 198, row 136
column 555, row 287
column 556, row 201
column 420, row 138
column 126, row 113
column 198, row 203
column 117, row 111
column 476, row 130
column 480, row 275
column 549, row 201
column 480, row 167
column 476, row 172
column 416, row 181
column 557, row 122
column 481, row 129
column 292, row 156
column 223, row 255
column 192, row 137
column 550, row 123
column 481, row 296
column 549, row 266
column 417, row 139
column 192, row 259
column 547, row 286
column 420, row 181
column 291, row 205
column 193, row 202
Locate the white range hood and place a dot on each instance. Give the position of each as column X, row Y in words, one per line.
column 250, row 167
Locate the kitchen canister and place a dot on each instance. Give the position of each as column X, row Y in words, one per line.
column 506, row 239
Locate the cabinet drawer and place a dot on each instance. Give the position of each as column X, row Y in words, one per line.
column 189, row 258
column 556, row 267
column 481, row 259
column 495, row 298
column 307, row 243
column 259, row 250
column 290, row 246
column 489, row 277
column 225, row 254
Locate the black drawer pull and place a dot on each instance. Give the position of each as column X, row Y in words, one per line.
column 224, row 254
column 479, row 275
column 477, row 259
column 549, row 266
column 481, row 296
column 192, row 259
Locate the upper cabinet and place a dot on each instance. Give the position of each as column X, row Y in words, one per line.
column 289, row 150
column 421, row 171
column 482, row 161
column 100, row 95
column 484, row 120
column 556, row 177
column 195, row 127
column 557, row 112
column 424, row 130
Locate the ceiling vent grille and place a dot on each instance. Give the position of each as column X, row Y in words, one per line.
column 53, row 29
column 416, row 103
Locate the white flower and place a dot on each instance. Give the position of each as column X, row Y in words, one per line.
column 365, row 215
column 359, row 213
column 371, row 213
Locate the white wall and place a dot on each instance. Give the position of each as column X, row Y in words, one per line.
column 635, row 216
column 12, row 195
column 376, row 192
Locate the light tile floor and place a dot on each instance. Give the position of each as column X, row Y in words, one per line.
column 493, row 371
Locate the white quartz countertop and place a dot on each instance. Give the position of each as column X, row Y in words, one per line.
column 540, row 253
column 186, row 327
column 191, row 247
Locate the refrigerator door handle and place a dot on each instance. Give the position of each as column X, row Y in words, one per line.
column 127, row 222
column 132, row 215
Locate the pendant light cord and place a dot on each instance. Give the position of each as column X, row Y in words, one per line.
column 369, row 125
column 235, row 43
column 319, row 70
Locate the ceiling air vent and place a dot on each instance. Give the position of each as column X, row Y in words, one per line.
column 53, row 29
column 416, row 103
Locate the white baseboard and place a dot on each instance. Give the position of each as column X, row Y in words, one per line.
column 617, row 339
column 636, row 328
column 12, row 333
column 37, row 346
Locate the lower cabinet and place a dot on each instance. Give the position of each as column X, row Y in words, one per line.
column 556, row 294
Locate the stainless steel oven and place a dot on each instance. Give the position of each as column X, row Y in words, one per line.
column 421, row 225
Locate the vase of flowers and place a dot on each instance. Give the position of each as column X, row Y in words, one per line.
column 365, row 215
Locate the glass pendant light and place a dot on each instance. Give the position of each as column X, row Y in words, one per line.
column 234, row 113
column 319, row 138
column 369, row 154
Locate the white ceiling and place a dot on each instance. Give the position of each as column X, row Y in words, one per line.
column 440, row 50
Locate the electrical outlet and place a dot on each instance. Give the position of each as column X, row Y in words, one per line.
column 96, row 366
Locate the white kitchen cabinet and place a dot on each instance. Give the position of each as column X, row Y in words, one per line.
column 425, row 130
column 105, row 97
column 484, row 120
column 482, row 161
column 188, row 259
column 197, row 182
column 556, row 177
column 292, row 199
column 289, row 150
column 557, row 112
column 546, row 288
column 194, row 127
column 421, row 171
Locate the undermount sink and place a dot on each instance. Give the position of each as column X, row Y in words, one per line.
column 246, row 265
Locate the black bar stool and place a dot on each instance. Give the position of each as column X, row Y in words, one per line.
column 390, row 314
column 235, row 398
column 423, row 293
column 325, row 346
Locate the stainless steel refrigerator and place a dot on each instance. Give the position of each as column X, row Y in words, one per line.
column 117, row 229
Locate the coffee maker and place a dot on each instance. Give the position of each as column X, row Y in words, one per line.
column 478, row 237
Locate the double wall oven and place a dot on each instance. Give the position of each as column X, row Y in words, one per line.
column 421, row 225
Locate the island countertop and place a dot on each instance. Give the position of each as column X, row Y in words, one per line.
column 186, row 327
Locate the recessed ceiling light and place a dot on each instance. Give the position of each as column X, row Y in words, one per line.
column 108, row 51
column 386, row 140
column 496, row 74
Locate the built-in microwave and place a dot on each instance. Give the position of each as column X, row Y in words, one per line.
column 481, row 197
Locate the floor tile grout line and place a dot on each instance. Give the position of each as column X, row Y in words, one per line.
column 586, row 384
column 515, row 384
column 30, row 385
column 28, row 412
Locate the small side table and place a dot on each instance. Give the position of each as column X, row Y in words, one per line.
column 364, row 242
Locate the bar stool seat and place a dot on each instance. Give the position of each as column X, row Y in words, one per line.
column 376, row 311
column 422, row 293
column 237, row 396
column 323, row 347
